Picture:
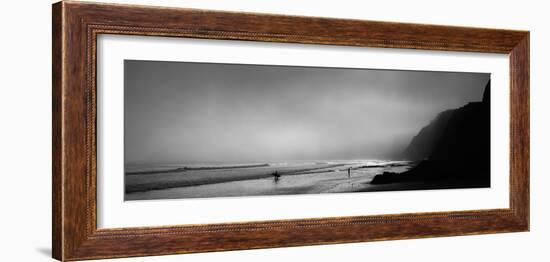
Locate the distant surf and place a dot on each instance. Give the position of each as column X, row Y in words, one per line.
column 220, row 180
column 189, row 168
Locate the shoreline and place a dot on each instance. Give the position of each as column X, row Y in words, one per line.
column 182, row 181
column 185, row 168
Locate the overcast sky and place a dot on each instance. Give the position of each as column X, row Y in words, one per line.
column 178, row 112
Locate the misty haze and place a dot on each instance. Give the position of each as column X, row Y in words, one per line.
column 195, row 130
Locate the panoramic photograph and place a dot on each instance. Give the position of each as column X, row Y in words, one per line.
column 204, row 130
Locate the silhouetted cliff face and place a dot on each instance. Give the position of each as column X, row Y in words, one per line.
column 423, row 143
column 457, row 134
column 465, row 142
column 455, row 145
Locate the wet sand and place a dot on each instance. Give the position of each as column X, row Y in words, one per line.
column 304, row 179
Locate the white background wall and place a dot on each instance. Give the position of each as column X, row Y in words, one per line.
column 25, row 114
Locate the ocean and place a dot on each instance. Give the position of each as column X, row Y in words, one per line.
column 218, row 179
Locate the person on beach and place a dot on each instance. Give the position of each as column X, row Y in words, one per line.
column 349, row 172
column 276, row 176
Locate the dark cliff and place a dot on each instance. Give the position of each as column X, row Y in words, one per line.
column 455, row 145
column 423, row 143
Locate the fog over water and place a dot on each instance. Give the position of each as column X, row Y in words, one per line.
column 176, row 112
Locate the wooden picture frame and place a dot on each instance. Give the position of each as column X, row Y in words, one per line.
column 75, row 28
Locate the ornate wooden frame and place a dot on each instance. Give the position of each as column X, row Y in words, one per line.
column 76, row 26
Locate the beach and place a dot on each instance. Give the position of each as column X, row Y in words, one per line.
column 283, row 178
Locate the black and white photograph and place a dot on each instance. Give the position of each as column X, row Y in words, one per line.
column 202, row 130
column 271, row 131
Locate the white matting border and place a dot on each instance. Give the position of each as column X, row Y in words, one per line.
column 113, row 212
